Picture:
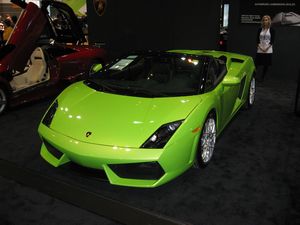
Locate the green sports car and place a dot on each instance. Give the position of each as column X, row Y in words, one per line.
column 147, row 117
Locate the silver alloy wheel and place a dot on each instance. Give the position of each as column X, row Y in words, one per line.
column 208, row 140
column 3, row 100
column 252, row 91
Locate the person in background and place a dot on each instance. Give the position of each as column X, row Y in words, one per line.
column 8, row 17
column 14, row 20
column 1, row 32
column 265, row 40
column 7, row 29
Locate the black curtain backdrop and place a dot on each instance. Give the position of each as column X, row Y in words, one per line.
column 135, row 25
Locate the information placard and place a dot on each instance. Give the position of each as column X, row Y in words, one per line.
column 281, row 12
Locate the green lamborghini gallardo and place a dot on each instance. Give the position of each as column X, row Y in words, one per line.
column 149, row 116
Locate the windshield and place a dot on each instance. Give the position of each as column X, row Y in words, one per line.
column 156, row 75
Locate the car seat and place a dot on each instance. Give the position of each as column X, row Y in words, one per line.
column 37, row 70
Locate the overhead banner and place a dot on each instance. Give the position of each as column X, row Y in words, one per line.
column 285, row 13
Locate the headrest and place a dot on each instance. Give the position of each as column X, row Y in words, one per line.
column 37, row 54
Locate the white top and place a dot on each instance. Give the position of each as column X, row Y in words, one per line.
column 264, row 41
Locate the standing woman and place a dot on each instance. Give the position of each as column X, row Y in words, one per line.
column 265, row 40
column 7, row 29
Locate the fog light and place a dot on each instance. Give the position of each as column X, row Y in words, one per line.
column 142, row 171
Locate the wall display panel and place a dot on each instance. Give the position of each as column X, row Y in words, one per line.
column 282, row 12
column 130, row 25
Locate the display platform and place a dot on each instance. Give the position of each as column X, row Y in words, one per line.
column 252, row 179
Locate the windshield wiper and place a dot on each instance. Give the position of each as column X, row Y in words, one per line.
column 122, row 89
column 136, row 91
column 99, row 86
column 145, row 92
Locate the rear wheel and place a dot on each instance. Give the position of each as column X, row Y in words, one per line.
column 3, row 99
column 207, row 142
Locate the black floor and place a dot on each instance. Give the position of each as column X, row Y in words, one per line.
column 26, row 206
column 254, row 177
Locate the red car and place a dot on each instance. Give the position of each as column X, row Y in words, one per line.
column 43, row 54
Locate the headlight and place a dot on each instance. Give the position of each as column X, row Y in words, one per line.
column 160, row 137
column 50, row 114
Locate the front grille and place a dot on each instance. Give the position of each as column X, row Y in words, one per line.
column 56, row 153
column 143, row 171
column 78, row 170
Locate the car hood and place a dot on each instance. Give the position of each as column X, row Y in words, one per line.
column 116, row 120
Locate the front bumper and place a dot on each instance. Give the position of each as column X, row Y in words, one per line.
column 123, row 165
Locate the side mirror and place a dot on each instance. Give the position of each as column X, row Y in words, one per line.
column 231, row 81
column 95, row 68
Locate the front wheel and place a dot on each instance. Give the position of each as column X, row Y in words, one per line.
column 3, row 100
column 207, row 142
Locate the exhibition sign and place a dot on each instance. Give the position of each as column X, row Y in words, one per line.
column 286, row 13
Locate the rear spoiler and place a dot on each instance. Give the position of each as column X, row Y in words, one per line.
column 19, row 3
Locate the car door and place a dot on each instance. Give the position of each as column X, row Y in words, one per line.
column 73, row 64
column 229, row 96
column 226, row 95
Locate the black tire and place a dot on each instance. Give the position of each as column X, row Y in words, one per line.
column 251, row 94
column 3, row 99
column 206, row 144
